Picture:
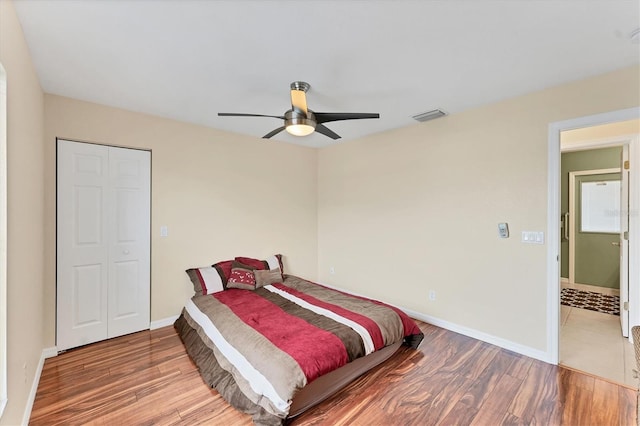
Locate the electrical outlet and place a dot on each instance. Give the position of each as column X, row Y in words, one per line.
column 432, row 295
column 332, row 270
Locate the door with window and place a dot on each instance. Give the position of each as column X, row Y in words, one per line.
column 598, row 244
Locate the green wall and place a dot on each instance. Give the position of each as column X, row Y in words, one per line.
column 577, row 161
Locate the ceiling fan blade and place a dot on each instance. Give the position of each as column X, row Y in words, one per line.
column 299, row 101
column 238, row 114
column 325, row 117
column 321, row 128
column 273, row 132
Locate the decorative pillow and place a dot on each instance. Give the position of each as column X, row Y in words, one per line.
column 241, row 277
column 271, row 263
column 206, row 280
column 266, row 277
column 224, row 270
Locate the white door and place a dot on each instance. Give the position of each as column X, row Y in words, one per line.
column 103, row 242
column 82, row 249
column 624, row 241
column 129, row 239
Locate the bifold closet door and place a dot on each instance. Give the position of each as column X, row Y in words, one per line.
column 103, row 242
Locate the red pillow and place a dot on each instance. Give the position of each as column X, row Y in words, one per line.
column 272, row 262
column 224, row 270
column 241, row 277
column 253, row 263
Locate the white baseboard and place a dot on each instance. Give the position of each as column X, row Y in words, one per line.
column 470, row 332
column 46, row 353
column 50, row 352
column 479, row 335
column 3, row 404
column 163, row 322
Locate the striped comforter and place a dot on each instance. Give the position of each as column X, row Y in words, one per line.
column 276, row 339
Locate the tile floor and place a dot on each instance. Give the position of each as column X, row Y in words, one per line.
column 592, row 342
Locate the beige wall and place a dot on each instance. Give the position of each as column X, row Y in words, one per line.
column 570, row 138
column 416, row 209
column 220, row 194
column 25, row 160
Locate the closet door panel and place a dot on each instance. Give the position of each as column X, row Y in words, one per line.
column 129, row 244
column 82, row 246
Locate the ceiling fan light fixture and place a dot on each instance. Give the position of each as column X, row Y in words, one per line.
column 300, row 120
column 299, row 125
column 300, row 129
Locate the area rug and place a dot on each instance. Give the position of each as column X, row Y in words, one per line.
column 590, row 300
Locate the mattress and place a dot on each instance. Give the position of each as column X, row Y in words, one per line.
column 279, row 350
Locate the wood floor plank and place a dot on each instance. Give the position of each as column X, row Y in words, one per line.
column 605, row 401
column 551, row 398
column 520, row 366
column 493, row 410
column 511, row 420
column 528, row 397
column 481, row 388
column 578, row 398
column 147, row 378
column 462, row 413
column 445, row 390
column 627, row 406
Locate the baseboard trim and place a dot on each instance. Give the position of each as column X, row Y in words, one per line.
column 50, row 352
column 46, row 353
column 3, row 404
column 163, row 322
column 479, row 335
column 469, row 332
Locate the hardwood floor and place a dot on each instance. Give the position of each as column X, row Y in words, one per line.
column 147, row 378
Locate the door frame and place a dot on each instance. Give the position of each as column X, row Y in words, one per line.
column 572, row 212
column 4, row 396
column 553, row 218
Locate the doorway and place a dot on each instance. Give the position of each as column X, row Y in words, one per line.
column 553, row 218
column 593, row 322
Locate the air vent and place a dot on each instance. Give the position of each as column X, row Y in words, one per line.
column 429, row 115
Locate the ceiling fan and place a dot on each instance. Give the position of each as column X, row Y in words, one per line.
column 301, row 121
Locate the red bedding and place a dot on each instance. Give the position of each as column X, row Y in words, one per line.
column 278, row 338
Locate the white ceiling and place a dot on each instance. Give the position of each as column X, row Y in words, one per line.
column 190, row 59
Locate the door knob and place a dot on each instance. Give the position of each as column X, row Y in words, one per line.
column 615, row 243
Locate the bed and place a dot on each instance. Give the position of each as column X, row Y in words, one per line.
column 275, row 345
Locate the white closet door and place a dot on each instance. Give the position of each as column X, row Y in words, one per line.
column 103, row 242
column 82, row 247
column 129, row 237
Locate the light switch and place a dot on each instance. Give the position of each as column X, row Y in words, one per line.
column 164, row 231
column 533, row 237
